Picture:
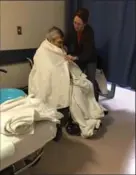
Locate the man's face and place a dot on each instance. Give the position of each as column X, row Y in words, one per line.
column 58, row 41
column 78, row 24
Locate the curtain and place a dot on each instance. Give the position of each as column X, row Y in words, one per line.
column 114, row 26
column 70, row 8
column 132, row 75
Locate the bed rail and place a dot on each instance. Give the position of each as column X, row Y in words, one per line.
column 24, row 164
column 29, row 163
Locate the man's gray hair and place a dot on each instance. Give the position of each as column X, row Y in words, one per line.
column 53, row 33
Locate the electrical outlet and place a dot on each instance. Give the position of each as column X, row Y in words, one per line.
column 19, row 30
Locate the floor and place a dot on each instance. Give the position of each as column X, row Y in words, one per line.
column 112, row 151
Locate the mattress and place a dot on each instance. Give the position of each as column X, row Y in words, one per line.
column 27, row 144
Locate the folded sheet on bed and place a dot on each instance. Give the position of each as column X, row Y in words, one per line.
column 19, row 116
column 7, row 148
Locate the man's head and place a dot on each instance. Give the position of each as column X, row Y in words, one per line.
column 80, row 19
column 55, row 36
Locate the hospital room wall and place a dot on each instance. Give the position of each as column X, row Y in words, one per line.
column 35, row 18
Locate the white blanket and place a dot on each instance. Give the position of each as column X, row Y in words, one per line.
column 7, row 148
column 84, row 108
column 19, row 116
column 49, row 81
column 49, row 78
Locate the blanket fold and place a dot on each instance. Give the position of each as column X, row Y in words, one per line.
column 7, row 148
column 84, row 108
column 19, row 116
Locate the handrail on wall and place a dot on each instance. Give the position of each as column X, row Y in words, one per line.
column 3, row 70
column 110, row 94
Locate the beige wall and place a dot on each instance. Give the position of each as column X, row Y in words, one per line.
column 35, row 18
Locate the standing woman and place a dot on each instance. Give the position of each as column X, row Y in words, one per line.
column 81, row 46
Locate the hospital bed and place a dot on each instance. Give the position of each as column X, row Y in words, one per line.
column 24, row 150
column 25, row 146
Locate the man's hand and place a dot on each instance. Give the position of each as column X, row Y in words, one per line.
column 70, row 58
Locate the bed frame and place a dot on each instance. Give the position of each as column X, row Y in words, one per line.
column 24, row 164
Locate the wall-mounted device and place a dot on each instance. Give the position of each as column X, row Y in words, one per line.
column 19, row 30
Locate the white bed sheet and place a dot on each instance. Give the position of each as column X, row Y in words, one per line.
column 26, row 145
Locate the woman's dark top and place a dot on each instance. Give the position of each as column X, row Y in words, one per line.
column 83, row 47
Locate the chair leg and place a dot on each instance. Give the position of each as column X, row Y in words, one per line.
column 111, row 92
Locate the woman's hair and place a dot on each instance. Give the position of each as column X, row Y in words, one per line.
column 83, row 14
column 54, row 32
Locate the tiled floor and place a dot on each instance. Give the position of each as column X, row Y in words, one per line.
column 111, row 152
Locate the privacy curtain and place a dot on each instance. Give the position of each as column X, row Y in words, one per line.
column 70, row 7
column 114, row 26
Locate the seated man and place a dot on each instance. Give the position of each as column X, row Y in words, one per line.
column 61, row 84
column 49, row 78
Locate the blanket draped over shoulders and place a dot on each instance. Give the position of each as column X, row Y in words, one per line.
column 61, row 84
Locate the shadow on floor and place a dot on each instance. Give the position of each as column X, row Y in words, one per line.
column 64, row 157
column 74, row 155
column 120, row 116
column 107, row 121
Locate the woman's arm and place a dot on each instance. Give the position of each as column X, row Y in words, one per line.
column 88, row 48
